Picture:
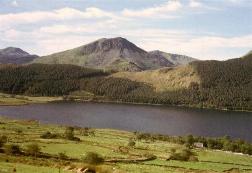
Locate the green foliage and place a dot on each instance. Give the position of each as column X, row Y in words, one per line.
column 69, row 134
column 224, row 143
column 43, row 80
column 225, row 84
column 62, row 156
column 12, row 149
column 3, row 140
column 93, row 158
column 116, row 88
column 183, row 155
column 131, row 143
column 48, row 135
column 33, row 149
column 87, row 131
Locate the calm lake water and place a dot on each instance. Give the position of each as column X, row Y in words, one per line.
column 154, row 119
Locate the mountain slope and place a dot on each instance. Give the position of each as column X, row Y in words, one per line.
column 173, row 58
column 222, row 84
column 115, row 53
column 12, row 55
column 165, row 79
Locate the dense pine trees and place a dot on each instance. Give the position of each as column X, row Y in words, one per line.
column 44, row 80
column 224, row 84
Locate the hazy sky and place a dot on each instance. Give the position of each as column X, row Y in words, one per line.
column 204, row 29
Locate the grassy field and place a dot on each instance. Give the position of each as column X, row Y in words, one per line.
column 111, row 145
column 15, row 100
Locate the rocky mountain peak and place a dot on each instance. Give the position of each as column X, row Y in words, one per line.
column 107, row 44
column 13, row 51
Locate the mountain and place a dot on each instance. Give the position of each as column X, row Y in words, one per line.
column 173, row 58
column 115, row 54
column 12, row 55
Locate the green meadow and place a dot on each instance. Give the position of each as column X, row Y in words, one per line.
column 143, row 156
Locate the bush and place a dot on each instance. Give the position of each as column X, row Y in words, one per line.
column 33, row 149
column 150, row 156
column 183, row 155
column 87, row 131
column 69, row 134
column 93, row 158
column 12, row 149
column 131, row 143
column 3, row 140
column 48, row 135
column 62, row 156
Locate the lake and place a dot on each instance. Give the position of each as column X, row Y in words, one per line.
column 153, row 119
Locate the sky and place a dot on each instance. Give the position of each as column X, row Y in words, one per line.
column 203, row 29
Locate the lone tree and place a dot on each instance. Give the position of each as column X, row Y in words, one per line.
column 69, row 134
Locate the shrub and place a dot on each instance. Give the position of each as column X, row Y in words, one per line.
column 183, row 155
column 48, row 135
column 69, row 134
column 150, row 156
column 87, row 131
column 93, row 158
column 33, row 149
column 3, row 140
column 189, row 140
column 62, row 156
column 12, row 149
column 131, row 143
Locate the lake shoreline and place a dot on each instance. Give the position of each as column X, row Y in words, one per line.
column 26, row 101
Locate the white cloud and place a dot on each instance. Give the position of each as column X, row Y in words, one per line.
column 66, row 28
column 14, row 3
column 195, row 4
column 202, row 47
column 47, row 40
column 163, row 10
column 63, row 14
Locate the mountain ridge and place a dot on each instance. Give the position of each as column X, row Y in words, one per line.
column 176, row 59
column 109, row 53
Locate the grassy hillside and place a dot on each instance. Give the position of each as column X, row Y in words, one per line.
column 166, row 79
column 115, row 147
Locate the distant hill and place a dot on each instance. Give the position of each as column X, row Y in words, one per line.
column 173, row 58
column 12, row 55
column 114, row 54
